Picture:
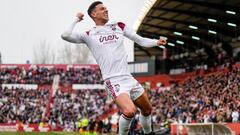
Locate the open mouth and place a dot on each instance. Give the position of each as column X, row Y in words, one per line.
column 106, row 15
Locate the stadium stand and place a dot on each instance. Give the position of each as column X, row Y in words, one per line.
column 43, row 75
column 202, row 97
column 31, row 94
column 25, row 105
column 210, row 98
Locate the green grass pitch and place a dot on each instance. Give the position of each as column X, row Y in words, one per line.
column 39, row 133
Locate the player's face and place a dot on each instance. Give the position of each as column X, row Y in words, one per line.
column 101, row 13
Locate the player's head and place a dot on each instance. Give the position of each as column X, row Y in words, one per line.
column 98, row 12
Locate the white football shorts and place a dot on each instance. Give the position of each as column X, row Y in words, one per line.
column 123, row 84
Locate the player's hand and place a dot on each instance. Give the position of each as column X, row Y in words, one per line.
column 80, row 16
column 162, row 41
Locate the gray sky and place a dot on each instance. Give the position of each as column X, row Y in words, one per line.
column 25, row 23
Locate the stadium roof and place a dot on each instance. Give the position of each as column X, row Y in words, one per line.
column 193, row 28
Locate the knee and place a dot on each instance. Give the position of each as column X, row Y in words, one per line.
column 147, row 111
column 129, row 112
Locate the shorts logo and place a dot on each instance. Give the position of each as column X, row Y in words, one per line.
column 117, row 87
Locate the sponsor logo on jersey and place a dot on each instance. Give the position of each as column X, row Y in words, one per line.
column 108, row 39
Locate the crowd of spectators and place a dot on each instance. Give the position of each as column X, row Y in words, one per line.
column 44, row 76
column 27, row 106
column 70, row 107
column 211, row 98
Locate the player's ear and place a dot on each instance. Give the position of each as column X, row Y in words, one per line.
column 93, row 14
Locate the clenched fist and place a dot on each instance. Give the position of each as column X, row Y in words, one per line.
column 80, row 16
column 162, row 41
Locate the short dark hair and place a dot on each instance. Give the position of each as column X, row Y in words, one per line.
column 92, row 7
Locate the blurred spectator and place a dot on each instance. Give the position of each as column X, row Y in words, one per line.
column 235, row 116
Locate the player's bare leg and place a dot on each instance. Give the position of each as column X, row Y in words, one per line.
column 145, row 116
column 128, row 109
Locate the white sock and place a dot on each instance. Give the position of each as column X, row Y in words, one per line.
column 146, row 123
column 124, row 125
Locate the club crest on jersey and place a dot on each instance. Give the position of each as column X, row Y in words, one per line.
column 113, row 27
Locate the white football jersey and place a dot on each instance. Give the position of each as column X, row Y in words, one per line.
column 106, row 45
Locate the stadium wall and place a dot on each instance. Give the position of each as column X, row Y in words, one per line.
column 19, row 127
column 233, row 126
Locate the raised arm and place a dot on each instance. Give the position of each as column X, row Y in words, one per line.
column 70, row 36
column 146, row 42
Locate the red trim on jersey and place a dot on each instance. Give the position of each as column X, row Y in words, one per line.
column 88, row 32
column 121, row 25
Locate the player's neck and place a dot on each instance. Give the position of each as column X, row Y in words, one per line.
column 100, row 23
